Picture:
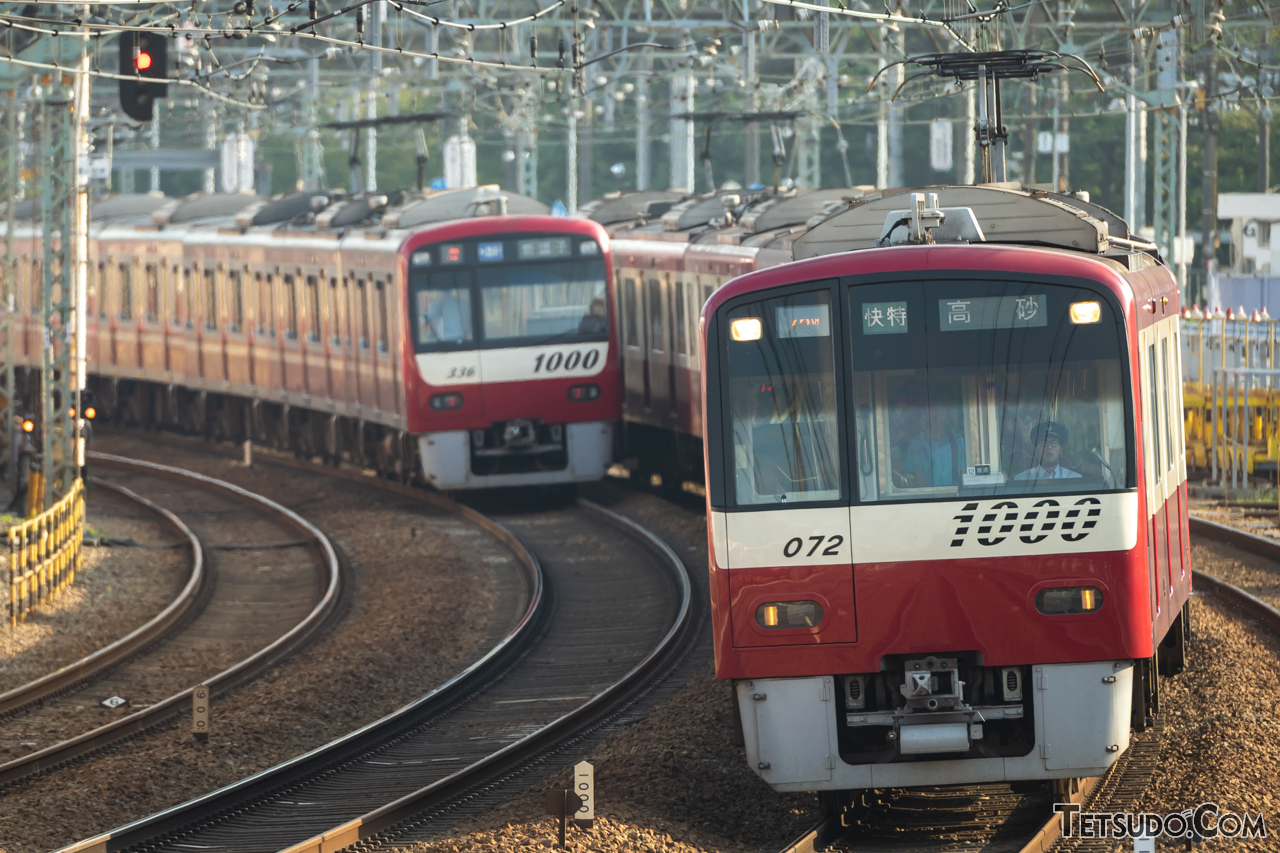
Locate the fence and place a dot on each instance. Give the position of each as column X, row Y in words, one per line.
column 44, row 553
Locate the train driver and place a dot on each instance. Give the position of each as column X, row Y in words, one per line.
column 1049, row 437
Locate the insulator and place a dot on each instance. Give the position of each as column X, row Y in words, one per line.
column 563, row 47
column 533, row 49
column 360, row 23
column 311, row 9
column 248, row 8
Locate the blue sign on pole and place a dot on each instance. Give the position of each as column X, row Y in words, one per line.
column 438, row 184
column 558, row 209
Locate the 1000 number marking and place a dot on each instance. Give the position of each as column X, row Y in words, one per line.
column 551, row 362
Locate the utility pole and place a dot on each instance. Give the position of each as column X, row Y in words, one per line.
column 643, row 177
column 882, row 114
column 1264, row 121
column 897, row 114
column 377, row 11
column 968, row 174
column 682, row 102
column 1209, row 182
column 12, row 192
column 751, row 146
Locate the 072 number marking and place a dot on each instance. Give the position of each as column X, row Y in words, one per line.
column 550, row 363
column 796, row 545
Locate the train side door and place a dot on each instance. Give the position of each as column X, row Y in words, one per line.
column 1153, row 441
column 291, row 363
column 631, row 333
column 656, row 386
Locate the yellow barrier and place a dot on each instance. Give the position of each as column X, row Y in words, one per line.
column 44, row 553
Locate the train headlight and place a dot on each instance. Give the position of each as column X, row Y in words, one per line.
column 746, row 329
column 445, row 402
column 1083, row 313
column 584, row 393
column 1072, row 599
column 28, row 425
column 789, row 614
column 90, row 413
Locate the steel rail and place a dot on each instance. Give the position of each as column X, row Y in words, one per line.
column 125, row 727
column 526, row 749
column 512, row 646
column 117, row 652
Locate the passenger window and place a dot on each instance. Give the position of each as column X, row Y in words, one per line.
column 632, row 323
column 1154, row 402
column 126, row 291
column 1169, row 413
column 313, row 309
column 783, row 414
column 382, row 317
column 98, row 291
column 210, row 298
column 362, row 296
column 653, row 300
column 291, row 307
column 335, row 313
column 682, row 333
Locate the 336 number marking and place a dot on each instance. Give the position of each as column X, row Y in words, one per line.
column 558, row 360
column 797, row 544
column 461, row 372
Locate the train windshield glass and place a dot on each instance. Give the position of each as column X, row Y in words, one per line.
column 443, row 309
column 782, row 399
column 969, row 388
column 531, row 303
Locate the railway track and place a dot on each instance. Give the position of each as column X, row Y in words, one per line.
column 229, row 623
column 992, row 818
column 608, row 612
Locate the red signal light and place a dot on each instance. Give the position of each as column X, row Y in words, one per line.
column 142, row 61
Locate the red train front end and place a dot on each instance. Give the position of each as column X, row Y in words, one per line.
column 511, row 358
column 947, row 511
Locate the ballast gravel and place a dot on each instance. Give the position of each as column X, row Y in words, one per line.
column 422, row 608
column 117, row 589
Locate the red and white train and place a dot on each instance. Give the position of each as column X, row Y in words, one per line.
column 946, row 492
column 464, row 334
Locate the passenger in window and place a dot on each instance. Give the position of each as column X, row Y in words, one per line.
column 593, row 322
column 447, row 318
column 935, row 453
column 1049, row 438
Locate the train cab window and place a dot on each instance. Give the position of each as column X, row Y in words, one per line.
column 653, row 304
column 682, row 333
column 291, row 308
column 783, row 410
column 442, row 309
column 313, row 309
column 544, row 302
column 126, row 291
column 235, row 286
column 633, row 336
column 152, row 273
column 977, row 388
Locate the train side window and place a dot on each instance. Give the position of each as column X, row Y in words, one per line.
column 362, row 297
column 1168, row 413
column 291, row 308
column 209, row 305
column 629, row 298
column 783, row 413
column 100, row 295
column 335, row 313
column 153, row 292
column 682, row 332
column 182, row 298
column 313, row 309
column 382, row 316
column 653, row 304
column 1153, row 396
column 235, row 282
column 126, row 291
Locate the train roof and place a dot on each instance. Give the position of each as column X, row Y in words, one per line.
column 1004, row 213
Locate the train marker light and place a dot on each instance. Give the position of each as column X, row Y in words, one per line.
column 445, row 402
column 583, row 393
column 90, row 412
column 746, row 329
column 28, row 425
column 789, row 614
column 1067, row 600
column 1085, row 312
